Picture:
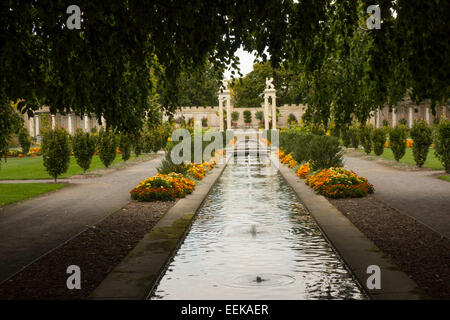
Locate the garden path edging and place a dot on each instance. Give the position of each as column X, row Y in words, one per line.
column 357, row 251
column 136, row 275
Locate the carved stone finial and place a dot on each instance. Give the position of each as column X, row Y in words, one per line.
column 225, row 84
column 269, row 84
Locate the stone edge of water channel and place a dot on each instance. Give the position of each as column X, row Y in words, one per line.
column 136, row 275
column 357, row 251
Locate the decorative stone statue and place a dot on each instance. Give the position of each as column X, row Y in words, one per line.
column 269, row 84
column 225, row 84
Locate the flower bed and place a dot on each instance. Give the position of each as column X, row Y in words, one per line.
column 168, row 187
column 339, row 183
column 287, row 159
column 303, row 171
column 33, row 152
column 196, row 170
column 163, row 187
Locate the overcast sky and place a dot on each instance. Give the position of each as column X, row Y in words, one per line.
column 246, row 63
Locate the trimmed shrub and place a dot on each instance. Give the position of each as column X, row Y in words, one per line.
column 259, row 115
column 107, row 146
column 442, row 143
column 56, row 152
column 365, row 136
column 422, row 137
column 125, row 146
column 247, row 116
column 397, row 141
column 24, row 140
column 379, row 139
column 204, row 122
column 301, row 148
column 138, row 144
column 346, row 138
column 235, row 116
column 325, row 152
column 83, row 146
column 353, row 132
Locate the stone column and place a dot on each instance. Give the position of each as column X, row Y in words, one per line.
column 270, row 92
column 394, row 117
column 228, row 112
column 274, row 112
column 377, row 124
column 104, row 121
column 31, row 126
column 220, row 112
column 410, row 117
column 69, row 123
column 37, row 118
column 86, row 123
column 53, row 122
column 266, row 112
column 427, row 115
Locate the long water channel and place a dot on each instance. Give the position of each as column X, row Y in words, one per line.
column 253, row 239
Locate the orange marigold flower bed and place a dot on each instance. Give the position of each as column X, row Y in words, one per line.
column 303, row 171
column 287, row 159
column 163, row 187
column 339, row 183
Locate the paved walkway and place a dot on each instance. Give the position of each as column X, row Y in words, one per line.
column 418, row 194
column 33, row 227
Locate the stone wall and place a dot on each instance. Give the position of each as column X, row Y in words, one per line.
column 212, row 114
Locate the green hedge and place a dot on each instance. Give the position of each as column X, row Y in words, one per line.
column 320, row 151
column 442, row 143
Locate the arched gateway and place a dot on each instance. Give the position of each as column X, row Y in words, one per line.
column 269, row 93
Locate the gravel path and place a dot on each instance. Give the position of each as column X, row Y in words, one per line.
column 31, row 228
column 417, row 193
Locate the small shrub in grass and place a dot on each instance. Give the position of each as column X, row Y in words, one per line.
column 397, row 141
column 365, row 136
column 125, row 146
column 56, row 152
column 24, row 140
column 325, row 152
column 83, row 146
column 379, row 139
column 107, row 146
column 346, row 138
column 353, row 132
column 422, row 137
column 442, row 143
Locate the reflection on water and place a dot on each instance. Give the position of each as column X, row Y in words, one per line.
column 252, row 239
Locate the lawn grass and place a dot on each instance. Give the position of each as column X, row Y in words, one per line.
column 432, row 161
column 33, row 168
column 445, row 178
column 10, row 193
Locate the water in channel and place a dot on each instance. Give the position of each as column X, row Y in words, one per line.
column 253, row 239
